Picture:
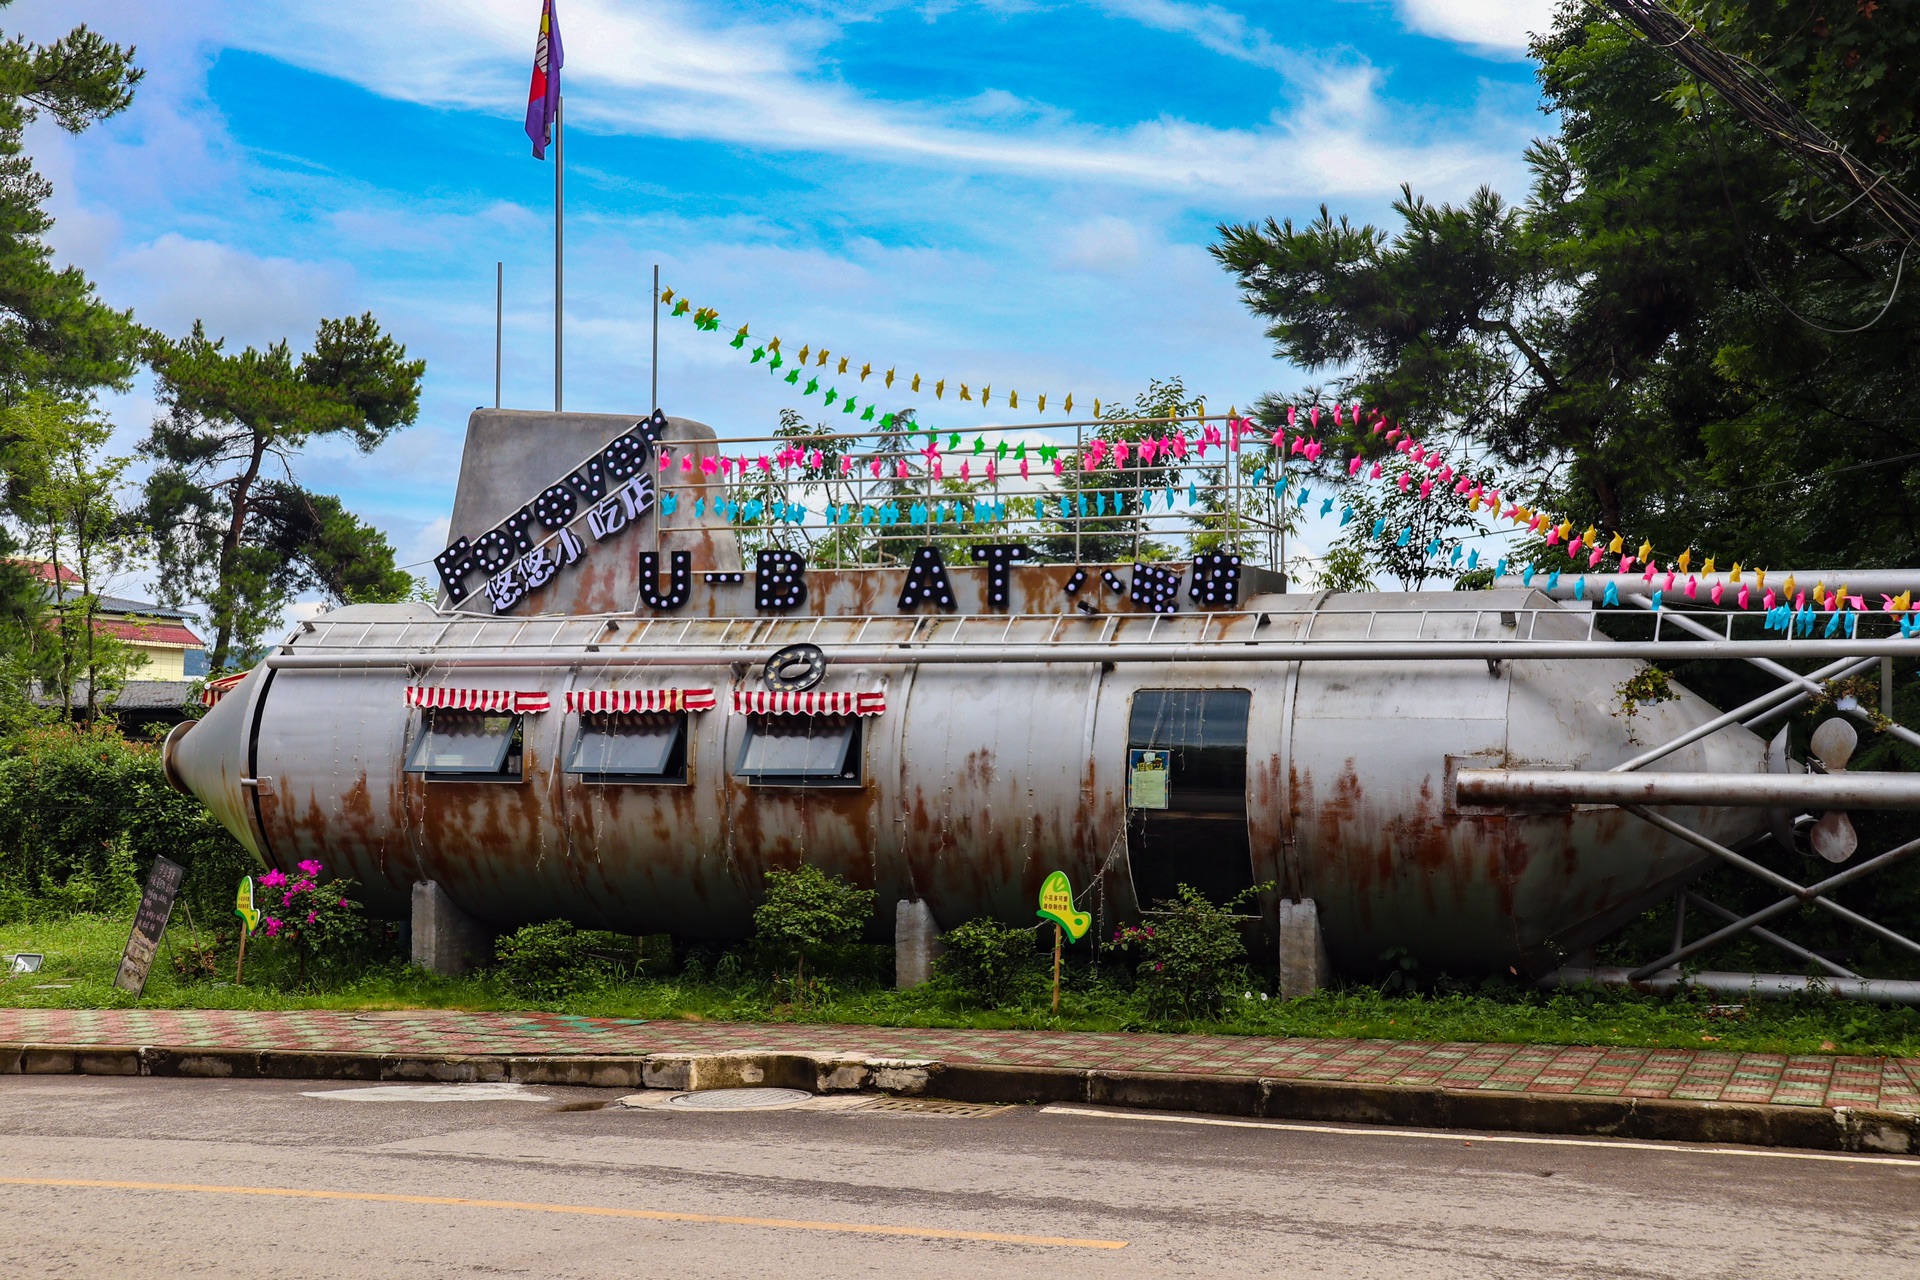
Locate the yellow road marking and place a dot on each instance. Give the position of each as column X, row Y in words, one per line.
column 584, row 1210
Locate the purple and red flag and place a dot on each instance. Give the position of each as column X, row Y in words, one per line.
column 543, row 95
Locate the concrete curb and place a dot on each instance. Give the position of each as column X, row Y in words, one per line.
column 1420, row 1106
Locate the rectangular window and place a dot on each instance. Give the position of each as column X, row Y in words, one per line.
column 635, row 747
column 1196, row 832
column 467, row 746
column 801, row 751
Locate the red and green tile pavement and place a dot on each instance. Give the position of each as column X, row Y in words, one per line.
column 1809, row 1080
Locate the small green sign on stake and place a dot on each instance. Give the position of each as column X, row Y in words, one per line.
column 249, row 921
column 1056, row 905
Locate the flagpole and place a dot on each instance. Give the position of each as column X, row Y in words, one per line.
column 559, row 242
column 656, row 337
column 499, row 322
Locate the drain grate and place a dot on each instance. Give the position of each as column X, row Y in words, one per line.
column 738, row 1099
column 935, row 1107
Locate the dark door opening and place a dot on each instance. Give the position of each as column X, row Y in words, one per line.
column 1200, row 836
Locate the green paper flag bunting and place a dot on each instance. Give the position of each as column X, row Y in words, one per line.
column 832, row 394
column 759, row 354
column 794, row 376
column 868, row 415
column 953, row 442
column 813, row 384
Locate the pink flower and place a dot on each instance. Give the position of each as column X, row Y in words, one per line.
column 273, row 879
column 286, row 899
column 311, row 916
column 274, row 925
column 305, row 886
column 343, row 902
column 311, row 867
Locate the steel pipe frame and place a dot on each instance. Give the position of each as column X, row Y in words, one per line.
column 1774, row 669
column 1768, row 936
column 907, row 654
column 1799, row 893
column 1768, row 704
column 1768, row 985
column 1760, row 790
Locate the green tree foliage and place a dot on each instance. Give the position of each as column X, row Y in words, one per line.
column 1646, row 343
column 226, row 530
column 63, row 496
column 805, row 912
column 54, row 333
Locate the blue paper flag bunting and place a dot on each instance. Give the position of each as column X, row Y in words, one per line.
column 1580, row 588
column 1553, row 580
column 1526, row 578
column 1612, row 596
column 1656, row 601
column 1346, row 516
column 1380, row 527
column 1473, row 561
column 699, row 507
column 1406, row 536
column 1326, row 507
column 667, row 503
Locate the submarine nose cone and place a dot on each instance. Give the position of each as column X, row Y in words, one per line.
column 207, row 758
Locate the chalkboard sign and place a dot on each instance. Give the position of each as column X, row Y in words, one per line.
column 156, row 905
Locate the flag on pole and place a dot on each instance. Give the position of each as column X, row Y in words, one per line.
column 543, row 95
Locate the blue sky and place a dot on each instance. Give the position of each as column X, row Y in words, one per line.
column 1019, row 192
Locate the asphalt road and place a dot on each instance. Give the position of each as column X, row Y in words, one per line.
column 160, row 1178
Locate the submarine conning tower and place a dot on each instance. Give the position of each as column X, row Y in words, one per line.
column 640, row 692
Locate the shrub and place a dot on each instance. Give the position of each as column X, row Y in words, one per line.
column 806, row 911
column 83, row 813
column 1191, row 954
column 985, row 960
column 320, row 923
column 548, row 961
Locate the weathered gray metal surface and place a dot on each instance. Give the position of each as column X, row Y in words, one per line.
column 979, row 780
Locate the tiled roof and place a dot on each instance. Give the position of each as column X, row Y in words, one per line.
column 160, row 632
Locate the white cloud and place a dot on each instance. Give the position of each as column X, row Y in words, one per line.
column 1502, row 25
column 669, row 70
column 1221, row 30
column 242, row 296
column 1105, row 245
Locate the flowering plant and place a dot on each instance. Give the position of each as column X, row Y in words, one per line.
column 318, row 921
column 1191, row 953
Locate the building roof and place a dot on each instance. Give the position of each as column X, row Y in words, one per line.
column 162, row 631
column 135, row 695
column 171, row 626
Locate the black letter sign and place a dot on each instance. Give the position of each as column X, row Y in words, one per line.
column 680, row 584
column 780, row 579
column 927, row 581
column 999, row 557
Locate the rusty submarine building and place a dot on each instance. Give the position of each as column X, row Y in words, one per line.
column 618, row 715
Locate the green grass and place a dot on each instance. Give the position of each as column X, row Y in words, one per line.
column 83, row 953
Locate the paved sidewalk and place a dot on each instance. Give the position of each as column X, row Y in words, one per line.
column 1679, row 1075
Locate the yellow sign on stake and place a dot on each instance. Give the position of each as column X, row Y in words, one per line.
column 1056, row 904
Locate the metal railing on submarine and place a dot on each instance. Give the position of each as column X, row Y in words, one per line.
column 1345, row 634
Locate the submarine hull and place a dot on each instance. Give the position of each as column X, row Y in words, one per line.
column 1324, row 779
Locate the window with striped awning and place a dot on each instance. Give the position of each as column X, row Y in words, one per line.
column 446, row 698
column 812, row 703
column 638, row 700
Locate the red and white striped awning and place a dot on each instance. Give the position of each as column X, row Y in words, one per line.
column 629, row 700
column 526, row 701
column 814, row 703
column 214, row 690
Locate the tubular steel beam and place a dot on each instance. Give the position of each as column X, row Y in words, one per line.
column 875, row 655
column 1807, row 683
column 1762, row 985
column 1767, row 703
column 1769, row 937
column 1799, row 893
column 1716, row 790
